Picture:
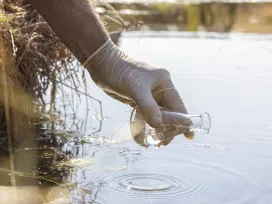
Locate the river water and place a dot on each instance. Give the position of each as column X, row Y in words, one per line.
column 228, row 77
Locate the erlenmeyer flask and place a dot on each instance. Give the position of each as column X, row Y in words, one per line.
column 144, row 135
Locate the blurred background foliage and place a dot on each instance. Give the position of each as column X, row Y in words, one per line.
column 213, row 17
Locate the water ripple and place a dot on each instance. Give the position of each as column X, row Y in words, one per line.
column 187, row 185
column 146, row 184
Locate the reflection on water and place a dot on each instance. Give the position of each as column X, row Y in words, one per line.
column 97, row 160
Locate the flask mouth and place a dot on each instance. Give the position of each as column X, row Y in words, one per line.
column 206, row 122
column 200, row 123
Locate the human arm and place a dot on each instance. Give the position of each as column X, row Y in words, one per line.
column 128, row 80
column 75, row 22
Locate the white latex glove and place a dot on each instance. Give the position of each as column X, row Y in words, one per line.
column 135, row 83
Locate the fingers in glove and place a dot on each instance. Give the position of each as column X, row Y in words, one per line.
column 166, row 142
column 148, row 106
column 189, row 135
column 174, row 118
column 169, row 134
column 181, row 130
column 171, row 98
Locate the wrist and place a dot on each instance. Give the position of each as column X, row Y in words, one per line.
column 107, row 55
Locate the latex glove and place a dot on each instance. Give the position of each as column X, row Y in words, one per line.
column 134, row 82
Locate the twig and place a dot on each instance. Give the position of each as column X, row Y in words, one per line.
column 14, row 48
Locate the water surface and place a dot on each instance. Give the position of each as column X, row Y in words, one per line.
column 229, row 78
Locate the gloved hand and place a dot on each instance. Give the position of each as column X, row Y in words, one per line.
column 135, row 83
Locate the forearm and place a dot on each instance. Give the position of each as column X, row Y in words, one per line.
column 75, row 23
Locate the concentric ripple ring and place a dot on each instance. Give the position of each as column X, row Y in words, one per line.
column 148, row 184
